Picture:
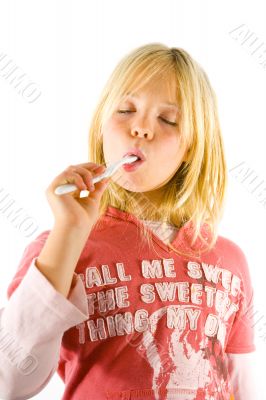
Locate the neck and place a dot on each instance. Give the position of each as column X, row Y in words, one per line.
column 149, row 201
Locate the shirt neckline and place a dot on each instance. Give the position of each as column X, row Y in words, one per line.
column 162, row 229
column 180, row 240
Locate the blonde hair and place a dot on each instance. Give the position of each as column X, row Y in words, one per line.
column 195, row 195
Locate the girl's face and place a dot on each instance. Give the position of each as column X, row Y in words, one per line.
column 144, row 120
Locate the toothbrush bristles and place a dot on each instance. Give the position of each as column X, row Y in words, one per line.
column 133, row 158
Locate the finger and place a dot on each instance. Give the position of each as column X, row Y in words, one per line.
column 76, row 178
column 87, row 176
column 100, row 188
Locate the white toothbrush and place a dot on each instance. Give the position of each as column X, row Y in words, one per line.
column 70, row 187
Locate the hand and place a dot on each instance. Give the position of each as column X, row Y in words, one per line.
column 71, row 210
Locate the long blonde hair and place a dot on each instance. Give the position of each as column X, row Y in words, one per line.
column 195, row 195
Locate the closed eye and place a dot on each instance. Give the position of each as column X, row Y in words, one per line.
column 124, row 111
column 168, row 122
column 163, row 119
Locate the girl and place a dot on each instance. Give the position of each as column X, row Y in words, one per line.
column 132, row 294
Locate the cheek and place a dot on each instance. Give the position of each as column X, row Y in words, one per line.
column 112, row 124
column 110, row 131
column 110, row 135
column 108, row 145
column 170, row 146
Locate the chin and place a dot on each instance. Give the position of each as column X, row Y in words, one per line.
column 133, row 189
column 129, row 186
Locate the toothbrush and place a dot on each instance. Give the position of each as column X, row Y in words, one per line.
column 69, row 187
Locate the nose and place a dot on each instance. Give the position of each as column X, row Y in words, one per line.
column 142, row 132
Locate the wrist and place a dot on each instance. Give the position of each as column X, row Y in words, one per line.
column 67, row 228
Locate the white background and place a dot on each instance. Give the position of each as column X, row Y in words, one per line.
column 69, row 48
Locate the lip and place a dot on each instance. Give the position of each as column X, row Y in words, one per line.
column 133, row 166
column 135, row 152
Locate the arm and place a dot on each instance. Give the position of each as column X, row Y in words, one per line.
column 240, row 367
column 58, row 258
column 38, row 313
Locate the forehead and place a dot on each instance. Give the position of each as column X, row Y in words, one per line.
column 164, row 90
column 171, row 104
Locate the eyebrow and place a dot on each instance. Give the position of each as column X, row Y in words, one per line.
column 167, row 103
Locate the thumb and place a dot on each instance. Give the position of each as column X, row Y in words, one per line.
column 99, row 189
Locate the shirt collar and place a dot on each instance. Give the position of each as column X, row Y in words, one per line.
column 182, row 238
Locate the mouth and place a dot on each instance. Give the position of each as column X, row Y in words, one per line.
column 135, row 152
column 133, row 166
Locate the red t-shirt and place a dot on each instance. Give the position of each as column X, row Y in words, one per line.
column 158, row 325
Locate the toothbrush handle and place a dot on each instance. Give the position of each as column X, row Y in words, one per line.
column 71, row 187
column 67, row 188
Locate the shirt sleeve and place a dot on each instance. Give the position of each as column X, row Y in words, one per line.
column 242, row 376
column 32, row 325
column 241, row 336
